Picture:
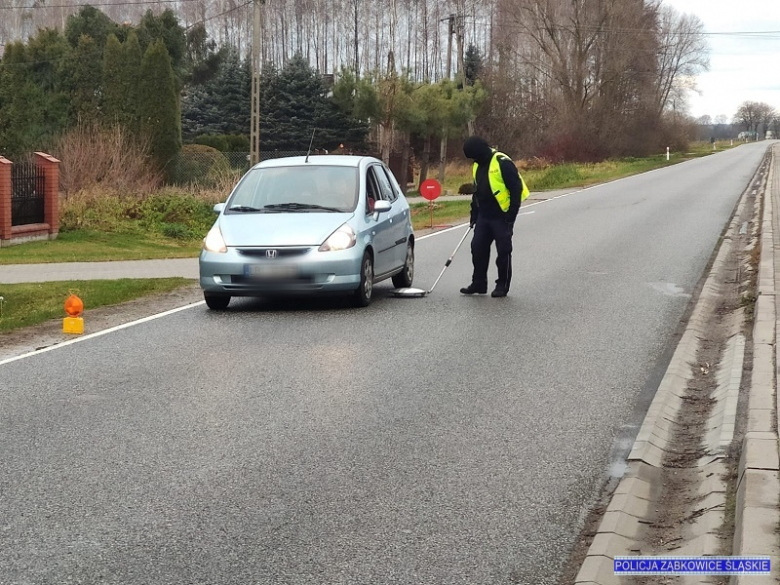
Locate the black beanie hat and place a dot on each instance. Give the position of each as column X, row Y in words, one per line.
column 477, row 149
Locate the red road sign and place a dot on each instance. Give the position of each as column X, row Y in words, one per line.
column 430, row 189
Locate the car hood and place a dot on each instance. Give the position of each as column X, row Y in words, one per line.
column 280, row 229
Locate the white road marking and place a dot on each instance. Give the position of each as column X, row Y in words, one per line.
column 99, row 333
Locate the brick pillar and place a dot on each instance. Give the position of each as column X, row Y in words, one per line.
column 51, row 205
column 5, row 199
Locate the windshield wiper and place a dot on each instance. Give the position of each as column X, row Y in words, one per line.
column 244, row 208
column 301, row 207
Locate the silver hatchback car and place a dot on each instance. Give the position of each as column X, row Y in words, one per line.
column 309, row 225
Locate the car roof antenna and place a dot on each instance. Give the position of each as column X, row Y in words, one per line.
column 310, row 143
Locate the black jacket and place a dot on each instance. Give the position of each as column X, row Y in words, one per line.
column 483, row 202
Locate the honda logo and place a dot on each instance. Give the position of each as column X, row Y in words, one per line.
column 270, row 253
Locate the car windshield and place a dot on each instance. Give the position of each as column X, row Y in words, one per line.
column 306, row 188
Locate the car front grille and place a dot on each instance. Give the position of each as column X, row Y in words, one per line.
column 278, row 252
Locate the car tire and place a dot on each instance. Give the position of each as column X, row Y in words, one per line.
column 404, row 278
column 362, row 296
column 216, row 302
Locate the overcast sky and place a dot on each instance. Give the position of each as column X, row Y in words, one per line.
column 742, row 67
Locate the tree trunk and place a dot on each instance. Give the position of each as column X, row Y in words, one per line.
column 386, row 141
column 424, row 163
column 403, row 180
column 442, row 159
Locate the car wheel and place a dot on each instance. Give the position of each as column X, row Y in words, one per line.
column 216, row 302
column 404, row 278
column 365, row 291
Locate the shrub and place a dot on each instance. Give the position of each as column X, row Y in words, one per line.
column 191, row 215
column 466, row 189
column 93, row 210
column 198, row 163
column 107, row 157
column 168, row 213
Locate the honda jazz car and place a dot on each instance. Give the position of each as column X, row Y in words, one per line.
column 326, row 224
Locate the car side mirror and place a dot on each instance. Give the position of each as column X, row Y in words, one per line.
column 218, row 208
column 382, row 206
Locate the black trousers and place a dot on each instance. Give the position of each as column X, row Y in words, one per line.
column 486, row 232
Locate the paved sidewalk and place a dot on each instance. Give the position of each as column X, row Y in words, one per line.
column 18, row 273
column 185, row 267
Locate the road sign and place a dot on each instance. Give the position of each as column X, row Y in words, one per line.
column 430, row 189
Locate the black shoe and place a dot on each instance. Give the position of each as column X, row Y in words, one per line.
column 471, row 290
column 499, row 292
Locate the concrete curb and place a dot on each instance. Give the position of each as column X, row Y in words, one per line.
column 657, row 429
column 632, row 505
column 757, row 517
column 723, row 418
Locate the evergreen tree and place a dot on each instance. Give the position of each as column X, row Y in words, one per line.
column 83, row 76
column 131, row 71
column 294, row 103
column 114, row 89
column 222, row 106
column 165, row 27
column 13, row 68
column 158, row 107
column 91, row 22
column 47, row 51
column 472, row 63
column 32, row 106
column 203, row 60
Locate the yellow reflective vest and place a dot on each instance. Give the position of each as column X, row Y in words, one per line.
column 497, row 186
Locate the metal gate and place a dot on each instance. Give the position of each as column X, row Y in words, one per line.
column 27, row 197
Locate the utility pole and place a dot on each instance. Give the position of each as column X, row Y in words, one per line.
column 254, row 138
column 461, row 65
column 443, row 147
column 451, row 29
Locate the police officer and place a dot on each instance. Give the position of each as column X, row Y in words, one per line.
column 499, row 191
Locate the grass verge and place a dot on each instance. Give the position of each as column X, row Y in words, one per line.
column 444, row 212
column 24, row 305
column 93, row 246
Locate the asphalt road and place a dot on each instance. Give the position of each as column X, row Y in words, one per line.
column 441, row 440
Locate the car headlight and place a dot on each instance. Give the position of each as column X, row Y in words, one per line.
column 214, row 242
column 341, row 239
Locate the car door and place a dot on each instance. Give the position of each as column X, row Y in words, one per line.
column 380, row 226
column 398, row 215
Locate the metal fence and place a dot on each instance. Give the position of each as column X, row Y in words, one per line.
column 218, row 169
column 27, row 193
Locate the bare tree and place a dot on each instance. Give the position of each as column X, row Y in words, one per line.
column 752, row 114
column 682, row 54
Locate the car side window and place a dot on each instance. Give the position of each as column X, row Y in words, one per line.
column 372, row 192
column 385, row 186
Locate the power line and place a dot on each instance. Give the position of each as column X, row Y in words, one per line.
column 138, row 2
column 245, row 4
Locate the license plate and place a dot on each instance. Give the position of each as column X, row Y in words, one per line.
column 270, row 271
